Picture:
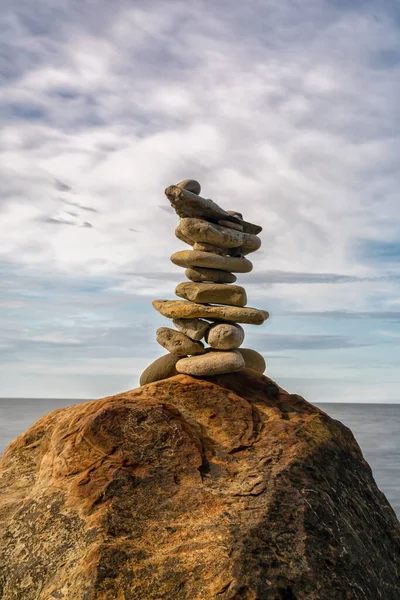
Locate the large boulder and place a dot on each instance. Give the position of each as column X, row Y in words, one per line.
column 187, row 489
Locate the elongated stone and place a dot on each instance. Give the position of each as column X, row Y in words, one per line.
column 214, row 275
column 199, row 230
column 181, row 309
column 193, row 328
column 162, row 368
column 225, row 336
column 231, row 225
column 203, row 247
column 177, row 342
column 214, row 293
column 188, row 204
column 194, row 258
column 212, row 363
column 253, row 360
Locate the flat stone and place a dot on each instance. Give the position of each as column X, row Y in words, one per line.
column 253, row 360
column 214, row 293
column 189, row 204
column 193, row 328
column 225, row 336
column 231, row 225
column 162, row 368
column 191, row 185
column 180, row 309
column 212, row 363
column 203, row 247
column 194, row 258
column 199, row 230
column 177, row 342
column 214, row 275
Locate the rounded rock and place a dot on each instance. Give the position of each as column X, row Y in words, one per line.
column 195, row 258
column 253, row 360
column 200, row 230
column 214, row 275
column 211, row 363
column 203, row 247
column 225, row 336
column 178, row 343
column 191, row 185
column 162, row 368
column 181, row 309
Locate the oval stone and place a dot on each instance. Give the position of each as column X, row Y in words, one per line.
column 225, row 336
column 199, row 274
column 193, row 328
column 212, row 363
column 195, row 258
column 162, row 368
column 253, row 360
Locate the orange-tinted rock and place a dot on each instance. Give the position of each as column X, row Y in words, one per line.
column 186, row 489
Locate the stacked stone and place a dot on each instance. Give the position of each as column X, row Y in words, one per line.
column 212, row 307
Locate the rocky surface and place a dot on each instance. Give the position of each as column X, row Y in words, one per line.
column 214, row 293
column 187, row 489
column 198, row 230
column 177, row 342
column 211, row 363
column 181, row 309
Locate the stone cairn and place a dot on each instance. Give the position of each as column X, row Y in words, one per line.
column 212, row 307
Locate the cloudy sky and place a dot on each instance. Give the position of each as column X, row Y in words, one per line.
column 286, row 111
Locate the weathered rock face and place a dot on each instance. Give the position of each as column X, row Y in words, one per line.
column 185, row 489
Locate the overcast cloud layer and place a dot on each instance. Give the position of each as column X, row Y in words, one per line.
column 286, row 111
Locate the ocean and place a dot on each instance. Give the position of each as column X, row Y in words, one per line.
column 375, row 426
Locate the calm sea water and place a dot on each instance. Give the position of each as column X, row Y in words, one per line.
column 375, row 426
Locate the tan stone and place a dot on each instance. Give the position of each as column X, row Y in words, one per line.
column 199, row 274
column 225, row 336
column 199, row 230
column 214, row 293
column 162, row 368
column 177, row 342
column 230, row 225
column 188, row 204
column 193, row 328
column 211, row 363
column 203, row 247
column 253, row 360
column 194, row 258
column 179, row 309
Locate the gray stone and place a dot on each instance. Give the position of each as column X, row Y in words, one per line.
column 199, row 230
column 193, row 328
column 203, row 247
column 211, row 363
column 191, row 185
column 188, row 204
column 231, row 225
column 214, row 275
column 177, row 342
column 225, row 336
column 194, row 258
column 181, row 309
column 214, row 293
column 162, row 368
column 253, row 360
